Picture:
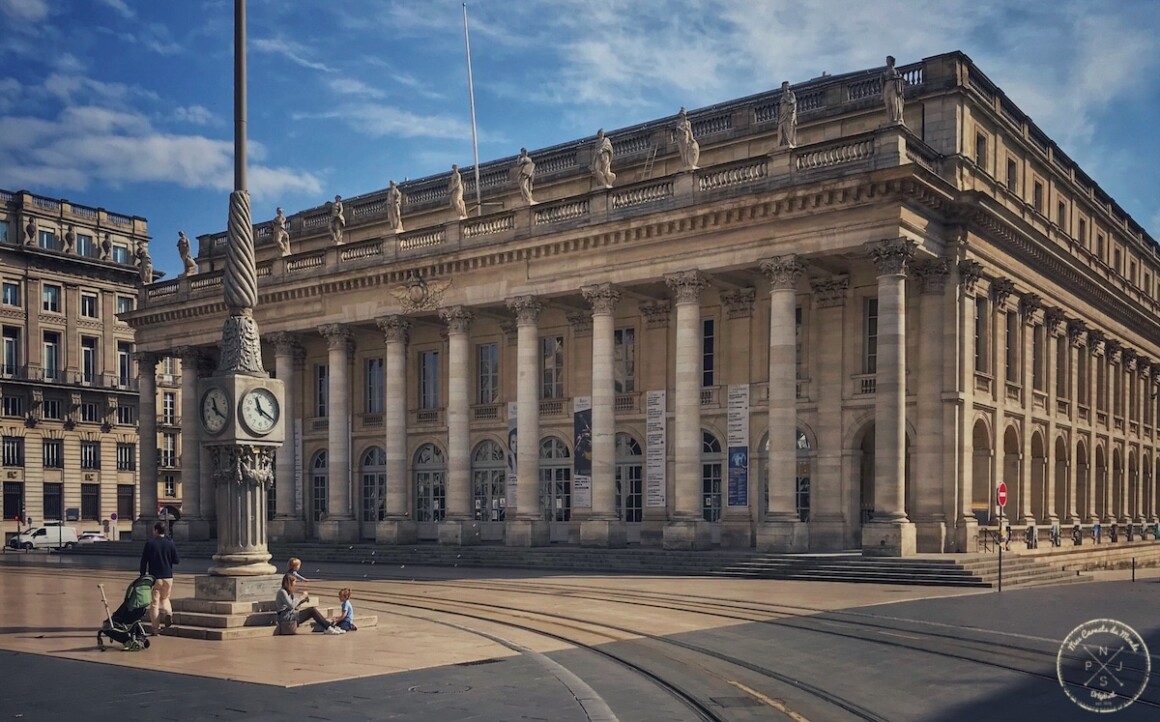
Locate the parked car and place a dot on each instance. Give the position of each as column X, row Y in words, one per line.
column 49, row 536
column 91, row 537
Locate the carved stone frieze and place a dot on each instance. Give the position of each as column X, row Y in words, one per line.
column 783, row 272
column 419, row 294
column 457, row 318
column 831, row 292
column 1001, row 290
column 243, row 465
column 930, row 274
column 738, row 303
column 395, row 328
column 687, row 285
column 656, row 313
column 602, row 296
column 527, row 309
column 893, row 256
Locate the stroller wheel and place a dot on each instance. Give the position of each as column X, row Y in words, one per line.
column 146, row 644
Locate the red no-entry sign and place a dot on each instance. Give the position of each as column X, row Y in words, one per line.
column 1001, row 494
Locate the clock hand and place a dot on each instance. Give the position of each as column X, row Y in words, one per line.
column 216, row 410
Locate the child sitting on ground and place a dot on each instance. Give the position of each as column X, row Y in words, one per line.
column 345, row 618
column 292, row 569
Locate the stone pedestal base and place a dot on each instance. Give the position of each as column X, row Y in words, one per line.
column 608, row 534
column 237, row 589
column 395, row 531
column 966, row 537
column 930, row 537
column 459, row 532
column 191, row 530
column 783, row 537
column 888, row 539
column 286, row 530
column 526, row 533
column 688, row 535
column 736, row 534
column 338, row 530
column 143, row 529
column 243, row 563
column 828, row 535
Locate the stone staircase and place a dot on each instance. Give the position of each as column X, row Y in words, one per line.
column 1091, row 557
column 223, row 621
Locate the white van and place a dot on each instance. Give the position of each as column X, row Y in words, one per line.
column 49, row 536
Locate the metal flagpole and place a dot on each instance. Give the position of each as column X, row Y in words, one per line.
column 471, row 96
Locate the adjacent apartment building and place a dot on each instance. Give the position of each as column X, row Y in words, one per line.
column 856, row 308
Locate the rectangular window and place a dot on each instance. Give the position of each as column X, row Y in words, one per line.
column 47, row 240
column 11, row 294
column 428, row 379
column 169, row 408
column 1083, row 232
column 88, row 359
column 1101, row 383
column 91, row 502
column 982, row 336
column 1037, row 197
column 13, row 450
column 870, row 336
column 53, row 501
column 13, row 499
column 90, row 305
column 126, row 504
column 624, row 361
column 1061, row 215
column 11, row 360
column 1100, row 245
column 487, row 373
column 126, row 415
column 375, row 389
column 1039, row 358
column 171, row 487
column 1081, row 377
column 168, row 450
column 4, row 232
column 90, row 412
column 122, row 255
column 51, row 358
column 124, row 304
column 53, row 453
column 552, row 367
column 169, row 366
column 708, row 352
column 1062, row 382
column 124, row 364
column 1012, row 359
column 52, row 410
column 90, row 455
column 126, row 457
column 981, row 150
column 85, row 247
column 1012, row 176
column 1117, row 373
column 1116, row 262
column 51, row 296
column 321, row 391
column 13, row 405
column 1132, row 272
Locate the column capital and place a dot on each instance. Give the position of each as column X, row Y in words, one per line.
column 892, row 256
column 1144, row 367
column 283, row 343
column 656, row 313
column 783, row 272
column 931, row 275
column 1095, row 342
column 395, row 328
column 602, row 296
column 1055, row 320
column 526, row 308
column 337, row 336
column 738, row 303
column 687, row 285
column 192, row 353
column 1001, row 290
column 831, row 292
column 1129, row 357
column 457, row 318
column 1112, row 351
column 581, row 322
column 969, row 272
column 1076, row 332
column 1030, row 305
column 147, row 360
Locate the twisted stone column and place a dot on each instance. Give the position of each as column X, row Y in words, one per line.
column 527, row 528
column 459, row 527
column 603, row 528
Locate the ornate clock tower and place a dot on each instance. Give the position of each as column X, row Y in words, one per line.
column 240, row 406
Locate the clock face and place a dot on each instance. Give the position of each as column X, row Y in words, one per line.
column 259, row 411
column 215, row 410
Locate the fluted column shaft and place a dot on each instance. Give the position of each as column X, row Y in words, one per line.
column 190, row 435
column 338, row 342
column 395, row 415
column 287, row 495
column 603, row 299
column 458, row 321
column 527, row 310
column 783, row 273
column 147, row 408
column 687, row 433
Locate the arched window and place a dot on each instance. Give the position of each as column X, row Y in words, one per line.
column 319, row 485
column 555, row 479
column 711, row 462
column 430, row 483
column 488, row 482
column 374, row 484
column 629, row 476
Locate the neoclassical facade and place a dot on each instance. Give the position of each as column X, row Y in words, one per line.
column 841, row 333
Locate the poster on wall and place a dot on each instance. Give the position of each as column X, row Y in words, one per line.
column 737, row 421
column 582, row 455
column 655, row 450
column 510, row 487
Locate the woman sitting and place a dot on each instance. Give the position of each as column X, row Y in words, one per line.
column 290, row 616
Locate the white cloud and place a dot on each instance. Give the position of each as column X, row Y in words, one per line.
column 10, row 94
column 120, row 6
column 25, row 11
column 195, row 115
column 378, row 120
column 291, row 51
column 350, row 86
column 74, row 88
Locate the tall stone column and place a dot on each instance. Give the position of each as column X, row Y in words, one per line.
column 1030, row 313
column 399, row 526
column 192, row 526
column 967, row 525
column 603, row 528
column 1113, row 489
column 933, row 488
column 890, row 533
column 782, row 531
column 527, row 527
column 1095, row 347
column 339, row 524
column 1070, row 514
column 289, row 522
column 147, row 410
column 687, row 528
column 1054, row 329
column 459, row 528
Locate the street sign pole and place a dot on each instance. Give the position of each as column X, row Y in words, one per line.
column 1001, row 498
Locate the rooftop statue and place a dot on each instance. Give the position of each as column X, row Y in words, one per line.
column 395, row 207
column 893, row 85
column 602, row 160
column 337, row 221
column 687, row 145
column 525, row 175
column 282, row 232
column 455, row 193
column 144, row 262
column 186, row 256
column 787, row 117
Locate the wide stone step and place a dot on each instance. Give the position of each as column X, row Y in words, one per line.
column 230, row 633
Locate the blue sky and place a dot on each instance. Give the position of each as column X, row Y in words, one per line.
column 127, row 104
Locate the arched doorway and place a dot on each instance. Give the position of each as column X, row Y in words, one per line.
column 981, row 482
column 1038, row 478
column 373, row 507
column 1117, row 509
column 430, row 475
column 1133, row 503
column 1063, row 509
column 489, row 489
column 866, row 475
column 556, row 487
column 1083, row 505
column 319, row 489
column 630, row 485
column 1101, row 500
column 1012, row 473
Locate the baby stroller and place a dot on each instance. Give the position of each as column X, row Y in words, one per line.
column 124, row 625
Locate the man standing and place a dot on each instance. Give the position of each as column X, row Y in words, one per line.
column 157, row 560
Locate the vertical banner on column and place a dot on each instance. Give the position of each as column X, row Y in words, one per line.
column 737, row 421
column 513, row 426
column 582, row 456
column 655, row 449
column 296, row 447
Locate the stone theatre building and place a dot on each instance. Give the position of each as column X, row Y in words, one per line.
column 830, row 327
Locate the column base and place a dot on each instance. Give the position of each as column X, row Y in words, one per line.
column 694, row 535
column 828, row 535
column 609, row 534
column 242, row 564
column 888, row 539
column 737, row 533
column 143, row 529
column 526, row 533
column 395, row 531
column 286, row 529
column 237, row 589
column 459, row 532
column 930, row 537
column 966, row 538
column 191, row 530
column 783, row 537
column 338, row 530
